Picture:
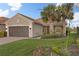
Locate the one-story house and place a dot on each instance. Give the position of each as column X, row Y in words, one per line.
column 24, row 26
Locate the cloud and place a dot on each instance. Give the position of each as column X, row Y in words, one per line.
column 75, row 21
column 59, row 4
column 76, row 4
column 15, row 6
column 4, row 13
column 76, row 16
column 0, row 10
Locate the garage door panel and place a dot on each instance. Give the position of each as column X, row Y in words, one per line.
column 19, row 31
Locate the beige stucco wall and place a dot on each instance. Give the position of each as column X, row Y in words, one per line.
column 19, row 20
column 37, row 30
column 51, row 28
column 62, row 30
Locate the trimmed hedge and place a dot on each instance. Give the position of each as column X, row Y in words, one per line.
column 3, row 34
column 78, row 30
column 51, row 36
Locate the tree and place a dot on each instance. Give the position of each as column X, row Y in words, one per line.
column 68, row 12
column 48, row 13
column 55, row 13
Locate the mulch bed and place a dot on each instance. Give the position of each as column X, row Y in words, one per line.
column 74, row 50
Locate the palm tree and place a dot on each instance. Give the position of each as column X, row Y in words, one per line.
column 52, row 12
column 67, row 10
column 48, row 13
column 55, row 13
column 67, row 13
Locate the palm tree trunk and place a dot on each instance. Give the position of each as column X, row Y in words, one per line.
column 68, row 36
column 69, row 26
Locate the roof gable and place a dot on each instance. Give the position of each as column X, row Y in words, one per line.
column 19, row 19
column 25, row 16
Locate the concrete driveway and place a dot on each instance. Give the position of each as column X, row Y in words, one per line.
column 10, row 39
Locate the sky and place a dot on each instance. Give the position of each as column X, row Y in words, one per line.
column 29, row 9
column 32, row 10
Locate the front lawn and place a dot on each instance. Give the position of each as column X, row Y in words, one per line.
column 26, row 47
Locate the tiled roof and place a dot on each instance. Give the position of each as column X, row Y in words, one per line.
column 26, row 16
column 3, row 20
column 40, row 21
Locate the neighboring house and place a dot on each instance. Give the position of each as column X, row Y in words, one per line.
column 2, row 23
column 23, row 26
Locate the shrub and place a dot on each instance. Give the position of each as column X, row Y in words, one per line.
column 3, row 34
column 46, row 36
column 77, row 30
column 57, row 51
column 60, row 51
column 51, row 36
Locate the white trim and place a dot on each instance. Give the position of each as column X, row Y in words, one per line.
column 7, row 31
column 30, row 32
column 16, row 25
column 6, row 27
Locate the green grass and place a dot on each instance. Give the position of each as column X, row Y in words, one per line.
column 77, row 42
column 26, row 47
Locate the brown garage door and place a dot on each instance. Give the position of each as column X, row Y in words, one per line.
column 19, row 31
